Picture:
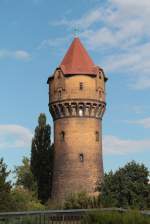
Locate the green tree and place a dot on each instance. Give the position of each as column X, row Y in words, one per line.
column 24, row 200
column 81, row 200
column 127, row 187
column 5, row 188
column 42, row 158
column 115, row 217
column 24, row 176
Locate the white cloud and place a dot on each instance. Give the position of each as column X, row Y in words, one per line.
column 84, row 22
column 121, row 34
column 117, row 146
column 126, row 33
column 121, row 27
column 133, row 59
column 138, row 109
column 145, row 122
column 14, row 136
column 133, row 6
column 18, row 54
column 53, row 43
column 142, row 82
column 22, row 55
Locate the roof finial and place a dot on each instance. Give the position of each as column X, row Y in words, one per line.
column 75, row 31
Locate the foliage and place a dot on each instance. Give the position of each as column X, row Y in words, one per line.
column 131, row 217
column 5, row 188
column 42, row 158
column 54, row 204
column 127, row 187
column 22, row 220
column 24, row 176
column 18, row 198
column 24, row 200
column 81, row 200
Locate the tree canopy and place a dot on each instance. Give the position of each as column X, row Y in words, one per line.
column 127, row 187
column 24, row 176
column 42, row 158
column 5, row 187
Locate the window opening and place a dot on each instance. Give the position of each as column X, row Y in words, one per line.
column 59, row 75
column 81, row 85
column 80, row 112
column 100, row 93
column 62, row 136
column 81, row 157
column 97, row 136
column 59, row 94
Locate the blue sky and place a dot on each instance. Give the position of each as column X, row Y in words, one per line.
column 34, row 36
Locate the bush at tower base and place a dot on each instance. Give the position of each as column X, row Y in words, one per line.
column 107, row 217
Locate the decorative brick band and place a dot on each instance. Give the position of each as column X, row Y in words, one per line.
column 76, row 108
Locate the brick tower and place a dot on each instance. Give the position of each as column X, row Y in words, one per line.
column 77, row 104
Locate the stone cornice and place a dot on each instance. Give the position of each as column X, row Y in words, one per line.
column 77, row 108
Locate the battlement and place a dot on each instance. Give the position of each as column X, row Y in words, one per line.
column 77, row 108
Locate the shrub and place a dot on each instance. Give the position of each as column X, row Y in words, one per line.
column 54, row 204
column 128, row 187
column 81, row 200
column 24, row 200
column 106, row 217
column 5, row 188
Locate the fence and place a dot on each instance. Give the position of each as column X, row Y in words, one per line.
column 51, row 216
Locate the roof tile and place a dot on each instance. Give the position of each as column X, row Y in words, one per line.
column 77, row 60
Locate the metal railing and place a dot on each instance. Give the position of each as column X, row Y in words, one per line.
column 52, row 216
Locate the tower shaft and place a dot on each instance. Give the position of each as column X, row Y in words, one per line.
column 78, row 156
column 77, row 105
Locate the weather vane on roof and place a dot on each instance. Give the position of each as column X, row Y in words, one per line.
column 75, row 31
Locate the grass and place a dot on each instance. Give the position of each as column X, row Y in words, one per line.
column 101, row 217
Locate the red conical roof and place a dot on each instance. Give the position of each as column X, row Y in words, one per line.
column 77, row 60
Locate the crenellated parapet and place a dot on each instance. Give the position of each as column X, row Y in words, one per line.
column 77, row 108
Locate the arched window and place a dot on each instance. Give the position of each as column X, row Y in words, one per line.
column 81, row 157
column 59, row 75
column 100, row 75
column 100, row 93
column 59, row 94
column 80, row 112
column 62, row 136
column 97, row 136
column 81, row 86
